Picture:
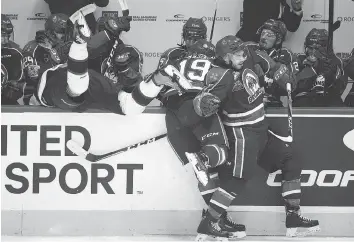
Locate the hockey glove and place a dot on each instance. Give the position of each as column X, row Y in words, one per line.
column 114, row 26
column 45, row 39
column 282, row 77
column 206, row 104
column 164, row 80
column 319, row 84
column 14, row 90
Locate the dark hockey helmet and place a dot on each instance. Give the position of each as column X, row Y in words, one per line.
column 194, row 28
column 277, row 26
column 316, row 38
column 7, row 29
column 59, row 24
column 202, row 47
column 229, row 44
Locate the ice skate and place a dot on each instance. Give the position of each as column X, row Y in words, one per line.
column 209, row 228
column 82, row 31
column 200, row 165
column 236, row 230
column 298, row 225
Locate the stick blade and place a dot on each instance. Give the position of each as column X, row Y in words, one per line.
column 84, row 11
column 76, row 149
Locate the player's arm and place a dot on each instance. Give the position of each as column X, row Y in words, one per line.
column 129, row 65
column 218, row 84
column 112, row 28
column 292, row 18
column 276, row 71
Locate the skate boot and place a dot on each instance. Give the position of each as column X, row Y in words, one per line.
column 295, row 222
column 236, row 230
column 82, row 32
column 200, row 165
column 209, row 227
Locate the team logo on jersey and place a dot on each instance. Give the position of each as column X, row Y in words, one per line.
column 251, row 84
column 123, row 57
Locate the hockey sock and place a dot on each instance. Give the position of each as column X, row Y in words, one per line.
column 77, row 78
column 219, row 203
column 216, row 154
column 208, row 190
column 141, row 96
column 291, row 193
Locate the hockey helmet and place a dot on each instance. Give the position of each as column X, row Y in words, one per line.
column 228, row 44
column 316, row 38
column 277, row 26
column 7, row 29
column 60, row 24
column 202, row 47
column 194, row 28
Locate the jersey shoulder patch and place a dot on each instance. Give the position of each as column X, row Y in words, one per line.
column 135, row 53
column 173, row 53
column 30, row 47
column 215, row 74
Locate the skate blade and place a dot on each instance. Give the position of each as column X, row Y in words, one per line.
column 205, row 237
column 238, row 235
column 293, row 232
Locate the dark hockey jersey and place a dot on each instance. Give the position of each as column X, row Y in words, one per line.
column 332, row 71
column 244, row 105
column 132, row 74
column 11, row 59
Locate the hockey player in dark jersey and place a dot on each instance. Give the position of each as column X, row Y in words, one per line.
column 49, row 49
column 127, row 59
column 272, row 35
column 251, row 141
column 72, row 86
column 322, row 88
column 195, row 130
column 187, row 130
column 11, row 65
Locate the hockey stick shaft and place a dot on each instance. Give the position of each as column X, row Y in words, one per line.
column 330, row 25
column 76, row 149
column 213, row 26
column 290, row 110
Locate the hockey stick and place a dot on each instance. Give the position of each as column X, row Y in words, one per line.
column 290, row 111
column 79, row 151
column 84, row 10
column 214, row 20
column 125, row 11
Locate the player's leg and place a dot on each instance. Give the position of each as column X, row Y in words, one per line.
column 234, row 174
column 77, row 72
column 278, row 155
column 180, row 137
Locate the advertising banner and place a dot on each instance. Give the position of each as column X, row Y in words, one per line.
column 40, row 173
column 157, row 24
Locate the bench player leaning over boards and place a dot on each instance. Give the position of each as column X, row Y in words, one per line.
column 272, row 35
column 71, row 86
column 11, row 65
column 325, row 86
